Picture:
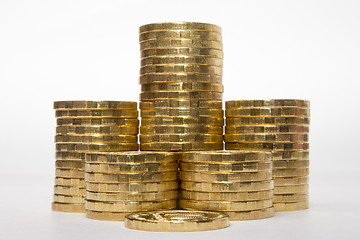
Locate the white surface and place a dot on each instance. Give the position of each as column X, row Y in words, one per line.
column 68, row 50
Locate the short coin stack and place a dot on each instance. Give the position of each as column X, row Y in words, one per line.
column 125, row 182
column 281, row 126
column 82, row 127
column 238, row 183
column 181, row 87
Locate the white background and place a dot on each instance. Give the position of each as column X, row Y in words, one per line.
column 88, row 50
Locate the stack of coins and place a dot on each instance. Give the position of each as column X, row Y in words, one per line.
column 281, row 126
column 124, row 182
column 181, row 87
column 238, row 183
column 88, row 126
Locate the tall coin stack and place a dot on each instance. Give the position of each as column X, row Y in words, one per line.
column 124, row 182
column 281, row 126
column 83, row 127
column 238, row 183
column 181, row 87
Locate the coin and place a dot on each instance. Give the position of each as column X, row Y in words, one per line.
column 184, row 34
column 226, row 196
column 96, row 147
column 180, row 146
column 225, row 156
column 69, row 190
column 275, row 129
column 225, row 205
column 131, row 196
column 291, row 206
column 279, row 164
column 68, row 207
column 225, row 177
column 69, row 156
column 70, row 164
column 267, row 137
column 268, row 112
column 181, row 129
column 181, row 138
column 179, row 77
column 289, row 181
column 181, row 103
column 268, row 103
column 218, row 187
column 182, row 121
column 251, row 215
column 303, row 188
column 291, row 172
column 189, row 86
column 96, row 113
column 181, row 60
column 109, row 130
column 266, row 146
column 226, row 167
column 69, row 199
column 132, row 187
column 69, row 173
column 267, row 120
column 290, row 197
column 97, row 121
column 107, row 216
column 182, row 51
column 177, row 221
column 198, row 95
column 290, row 155
column 215, row 70
column 170, row 43
column 96, row 138
column 71, row 182
column 130, row 206
column 95, row 105
column 186, row 112
column 123, row 168
column 130, row 177
column 179, row 26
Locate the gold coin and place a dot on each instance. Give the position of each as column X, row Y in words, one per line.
column 181, row 129
column 69, row 199
column 266, row 146
column 268, row 103
column 96, row 147
column 130, row 206
column 180, row 146
column 225, row 205
column 69, row 190
column 267, row 137
column 184, row 34
column 68, row 207
column 177, row 112
column 279, row 164
column 181, row 138
column 215, row 70
column 68, row 164
column 225, row 177
column 131, row 196
column 71, row 182
column 268, row 112
column 69, row 173
column 132, row 157
column 219, row 187
column 291, row 155
column 132, row 187
column 226, row 196
column 275, row 129
column 180, row 77
column 235, row 121
column 132, row 167
column 93, row 130
column 303, row 188
column 226, row 167
column 130, row 177
column 181, row 103
column 95, row 105
column 73, row 156
column 196, row 95
column 97, row 121
column 107, row 216
column 251, row 215
column 177, row 221
column 182, row 121
column 225, row 156
column 291, row 206
column 291, row 172
column 289, row 181
column 290, row 197
column 96, row 113
column 170, row 43
column 182, row 51
column 179, row 26
column 96, row 139
column 189, row 86
column 181, row 60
